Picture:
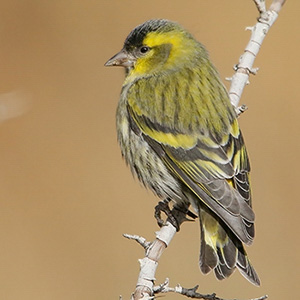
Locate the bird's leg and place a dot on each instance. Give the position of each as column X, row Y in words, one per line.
column 176, row 216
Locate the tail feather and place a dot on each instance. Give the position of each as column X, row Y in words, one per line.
column 226, row 263
column 246, row 268
column 221, row 250
column 208, row 257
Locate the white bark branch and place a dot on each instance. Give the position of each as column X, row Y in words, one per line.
column 245, row 66
column 145, row 284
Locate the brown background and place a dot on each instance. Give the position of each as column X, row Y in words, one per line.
column 66, row 195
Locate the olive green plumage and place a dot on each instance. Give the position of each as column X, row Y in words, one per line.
column 178, row 133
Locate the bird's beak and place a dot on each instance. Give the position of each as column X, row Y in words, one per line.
column 122, row 59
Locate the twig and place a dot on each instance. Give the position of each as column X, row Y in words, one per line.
column 139, row 239
column 190, row 293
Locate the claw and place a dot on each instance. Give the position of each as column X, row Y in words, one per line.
column 163, row 206
column 192, row 215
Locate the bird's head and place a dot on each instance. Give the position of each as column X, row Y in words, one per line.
column 156, row 46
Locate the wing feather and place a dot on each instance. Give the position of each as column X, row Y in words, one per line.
column 215, row 169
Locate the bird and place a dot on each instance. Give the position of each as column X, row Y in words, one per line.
column 179, row 134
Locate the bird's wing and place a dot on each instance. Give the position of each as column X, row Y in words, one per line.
column 217, row 172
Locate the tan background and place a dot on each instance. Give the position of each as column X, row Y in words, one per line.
column 66, row 196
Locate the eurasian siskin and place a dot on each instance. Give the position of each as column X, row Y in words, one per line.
column 179, row 134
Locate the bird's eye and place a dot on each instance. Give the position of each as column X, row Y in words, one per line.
column 144, row 49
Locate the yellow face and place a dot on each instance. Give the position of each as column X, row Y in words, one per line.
column 163, row 51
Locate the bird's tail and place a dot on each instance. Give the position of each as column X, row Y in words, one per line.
column 221, row 250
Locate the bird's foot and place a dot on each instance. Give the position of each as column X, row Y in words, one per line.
column 176, row 216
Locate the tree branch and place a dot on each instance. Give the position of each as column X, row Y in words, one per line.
column 190, row 293
column 145, row 283
column 258, row 33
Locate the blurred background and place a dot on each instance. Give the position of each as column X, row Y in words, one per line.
column 66, row 195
